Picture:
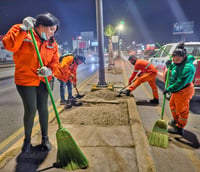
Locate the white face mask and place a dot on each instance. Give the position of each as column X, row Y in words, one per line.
column 43, row 36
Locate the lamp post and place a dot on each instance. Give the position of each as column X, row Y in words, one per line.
column 120, row 28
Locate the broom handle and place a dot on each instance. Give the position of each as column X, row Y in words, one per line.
column 167, row 79
column 47, row 82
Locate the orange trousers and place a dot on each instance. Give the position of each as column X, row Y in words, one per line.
column 150, row 78
column 179, row 105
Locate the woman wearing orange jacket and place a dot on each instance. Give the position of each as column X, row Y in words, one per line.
column 67, row 75
column 29, row 76
column 145, row 71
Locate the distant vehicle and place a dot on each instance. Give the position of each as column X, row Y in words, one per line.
column 160, row 58
column 5, row 55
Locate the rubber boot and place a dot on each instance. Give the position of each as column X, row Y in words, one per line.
column 176, row 130
column 26, row 148
column 172, row 123
column 45, row 145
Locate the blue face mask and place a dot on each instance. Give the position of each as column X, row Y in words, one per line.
column 43, row 36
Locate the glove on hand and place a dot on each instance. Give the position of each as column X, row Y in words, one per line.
column 165, row 91
column 44, row 71
column 168, row 63
column 28, row 23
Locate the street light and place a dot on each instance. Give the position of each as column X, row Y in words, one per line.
column 120, row 28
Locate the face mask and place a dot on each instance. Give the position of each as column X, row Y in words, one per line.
column 43, row 36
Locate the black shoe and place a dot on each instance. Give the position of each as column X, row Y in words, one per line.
column 68, row 106
column 154, row 101
column 26, row 148
column 126, row 91
column 45, row 145
column 79, row 96
column 176, row 130
column 75, row 103
column 63, row 102
column 172, row 123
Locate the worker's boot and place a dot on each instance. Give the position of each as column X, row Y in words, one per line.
column 45, row 145
column 154, row 101
column 172, row 123
column 26, row 148
column 176, row 130
column 126, row 91
column 75, row 103
column 68, row 104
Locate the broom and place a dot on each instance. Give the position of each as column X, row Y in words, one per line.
column 69, row 155
column 159, row 136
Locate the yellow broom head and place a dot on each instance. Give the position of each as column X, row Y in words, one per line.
column 69, row 155
column 159, row 136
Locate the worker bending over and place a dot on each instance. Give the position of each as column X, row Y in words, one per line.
column 145, row 71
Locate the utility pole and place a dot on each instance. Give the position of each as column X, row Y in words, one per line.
column 100, row 37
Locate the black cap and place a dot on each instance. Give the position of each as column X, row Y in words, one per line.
column 81, row 58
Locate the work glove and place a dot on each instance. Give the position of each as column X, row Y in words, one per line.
column 165, row 91
column 28, row 23
column 44, row 71
column 168, row 63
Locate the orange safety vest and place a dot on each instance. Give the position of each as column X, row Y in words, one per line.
column 25, row 56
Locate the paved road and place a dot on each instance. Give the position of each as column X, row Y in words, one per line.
column 11, row 108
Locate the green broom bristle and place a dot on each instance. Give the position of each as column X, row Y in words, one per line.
column 69, row 155
column 159, row 136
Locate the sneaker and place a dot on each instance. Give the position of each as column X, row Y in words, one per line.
column 45, row 145
column 26, row 148
column 126, row 91
column 154, row 101
column 63, row 102
column 176, row 130
column 172, row 123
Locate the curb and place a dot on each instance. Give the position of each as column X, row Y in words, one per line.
column 142, row 149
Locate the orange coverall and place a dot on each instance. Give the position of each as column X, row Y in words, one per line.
column 149, row 73
column 179, row 107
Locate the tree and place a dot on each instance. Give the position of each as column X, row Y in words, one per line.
column 109, row 32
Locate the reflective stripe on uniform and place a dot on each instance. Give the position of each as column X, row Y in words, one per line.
column 136, row 70
column 148, row 65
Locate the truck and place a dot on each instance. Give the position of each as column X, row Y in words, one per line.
column 162, row 55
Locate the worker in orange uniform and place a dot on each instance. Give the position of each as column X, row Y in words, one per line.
column 181, row 87
column 29, row 75
column 145, row 71
column 67, row 75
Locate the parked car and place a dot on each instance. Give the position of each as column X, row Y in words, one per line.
column 160, row 58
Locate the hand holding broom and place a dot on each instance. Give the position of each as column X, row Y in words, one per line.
column 69, row 155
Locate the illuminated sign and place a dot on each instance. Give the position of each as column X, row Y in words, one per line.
column 186, row 27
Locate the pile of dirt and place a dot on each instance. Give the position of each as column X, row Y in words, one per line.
column 109, row 111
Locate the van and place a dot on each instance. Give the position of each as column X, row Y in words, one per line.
column 160, row 58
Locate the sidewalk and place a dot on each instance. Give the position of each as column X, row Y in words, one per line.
column 108, row 130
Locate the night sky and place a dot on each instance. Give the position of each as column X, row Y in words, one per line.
column 146, row 21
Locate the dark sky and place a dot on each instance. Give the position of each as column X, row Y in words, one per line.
column 146, row 21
